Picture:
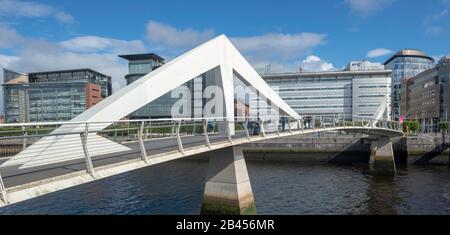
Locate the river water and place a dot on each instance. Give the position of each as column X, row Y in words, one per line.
column 279, row 188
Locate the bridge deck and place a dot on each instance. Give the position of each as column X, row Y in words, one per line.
column 12, row 176
column 23, row 184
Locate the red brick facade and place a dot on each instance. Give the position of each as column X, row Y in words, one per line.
column 93, row 94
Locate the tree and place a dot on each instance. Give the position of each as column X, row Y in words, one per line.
column 411, row 126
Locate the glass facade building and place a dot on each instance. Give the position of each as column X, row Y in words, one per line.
column 425, row 97
column 52, row 96
column 405, row 64
column 140, row 65
column 352, row 94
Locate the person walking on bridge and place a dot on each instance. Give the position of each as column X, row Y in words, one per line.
column 283, row 123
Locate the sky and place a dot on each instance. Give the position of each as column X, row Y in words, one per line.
column 317, row 35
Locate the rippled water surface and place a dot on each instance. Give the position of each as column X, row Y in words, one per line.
column 279, row 188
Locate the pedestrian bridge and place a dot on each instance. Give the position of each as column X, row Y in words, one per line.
column 149, row 142
column 99, row 143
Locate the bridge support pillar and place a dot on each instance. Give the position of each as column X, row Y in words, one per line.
column 228, row 189
column 382, row 160
column 401, row 151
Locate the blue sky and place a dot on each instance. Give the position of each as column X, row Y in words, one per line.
column 317, row 35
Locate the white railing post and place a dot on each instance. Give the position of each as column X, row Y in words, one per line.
column 205, row 132
column 321, row 120
column 276, row 125
column 180, row 144
column 84, row 139
column 173, row 128
column 289, row 125
column 149, row 128
column 313, row 122
column 3, row 191
column 262, row 128
column 247, row 133
column 227, row 124
column 193, row 129
column 25, row 139
column 141, row 144
column 146, row 132
column 300, row 126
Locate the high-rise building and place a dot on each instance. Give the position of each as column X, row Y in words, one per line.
column 52, row 96
column 352, row 94
column 142, row 64
column 425, row 97
column 405, row 64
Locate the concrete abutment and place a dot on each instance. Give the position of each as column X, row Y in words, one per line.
column 228, row 189
column 382, row 161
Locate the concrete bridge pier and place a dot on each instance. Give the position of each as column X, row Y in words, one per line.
column 382, row 160
column 228, row 189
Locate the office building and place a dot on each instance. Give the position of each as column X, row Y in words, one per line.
column 353, row 94
column 52, row 96
column 405, row 64
column 142, row 64
column 425, row 97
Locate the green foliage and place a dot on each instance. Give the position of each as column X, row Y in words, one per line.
column 444, row 125
column 411, row 126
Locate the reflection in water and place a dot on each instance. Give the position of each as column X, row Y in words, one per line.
column 382, row 195
column 279, row 188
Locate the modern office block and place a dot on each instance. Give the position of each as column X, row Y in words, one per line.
column 405, row 64
column 352, row 94
column 54, row 95
column 425, row 97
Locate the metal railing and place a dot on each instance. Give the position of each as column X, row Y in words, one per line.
column 22, row 135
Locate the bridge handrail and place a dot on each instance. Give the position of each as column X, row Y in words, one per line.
column 163, row 120
column 143, row 129
column 311, row 121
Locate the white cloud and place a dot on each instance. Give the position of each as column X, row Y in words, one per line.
column 432, row 23
column 313, row 63
column 279, row 46
column 278, row 49
column 280, row 52
column 33, row 10
column 81, row 52
column 64, row 17
column 431, row 31
column 378, row 52
column 310, row 63
column 6, row 60
column 26, row 9
column 367, row 7
column 436, row 17
column 99, row 44
column 40, row 55
column 8, row 37
column 167, row 36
